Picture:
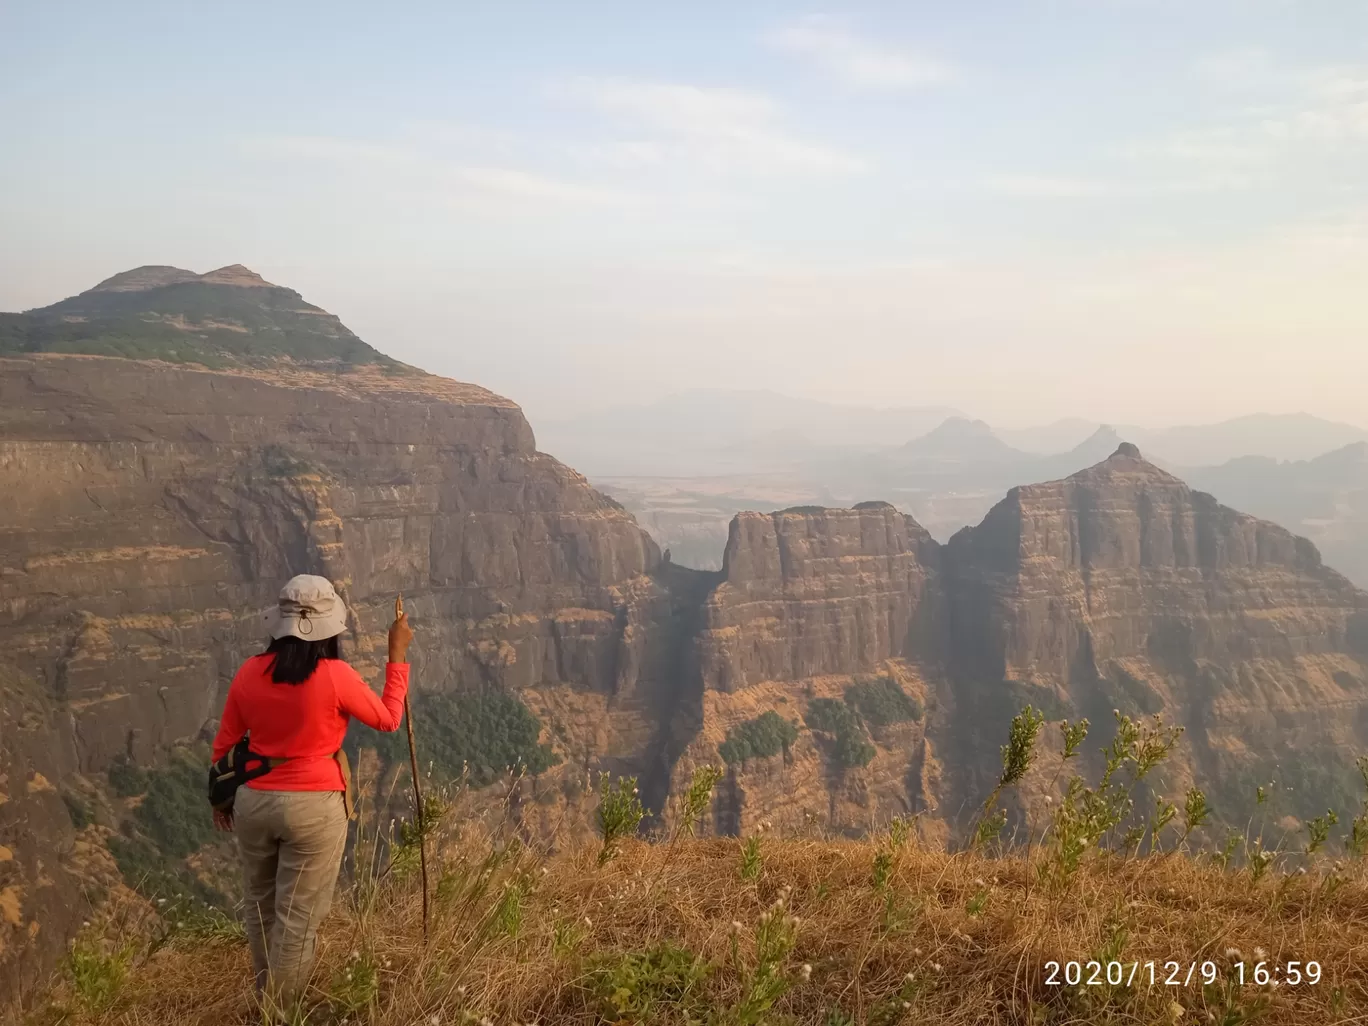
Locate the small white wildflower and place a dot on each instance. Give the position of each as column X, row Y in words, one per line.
column 87, row 923
column 764, row 917
column 917, row 952
column 805, row 972
column 1233, row 954
column 161, row 901
column 936, row 966
column 435, row 1019
column 1049, row 800
column 735, row 926
column 486, row 1021
column 355, row 955
column 978, row 882
column 906, row 1005
column 460, row 991
column 909, row 978
column 1260, row 954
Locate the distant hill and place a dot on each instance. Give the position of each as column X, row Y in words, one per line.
column 229, row 316
column 702, row 432
column 959, row 440
column 1324, row 499
column 1279, row 436
column 1056, row 436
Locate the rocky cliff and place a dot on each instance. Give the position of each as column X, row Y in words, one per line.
column 1118, row 588
column 149, row 510
column 843, row 665
column 1121, row 587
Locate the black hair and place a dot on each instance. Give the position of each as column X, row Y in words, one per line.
column 296, row 659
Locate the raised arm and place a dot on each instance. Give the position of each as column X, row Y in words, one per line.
column 355, row 698
column 232, row 727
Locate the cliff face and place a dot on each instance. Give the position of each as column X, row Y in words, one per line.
column 147, row 513
column 844, row 665
column 1118, row 588
column 811, row 591
column 810, row 603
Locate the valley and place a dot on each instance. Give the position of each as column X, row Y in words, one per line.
column 842, row 662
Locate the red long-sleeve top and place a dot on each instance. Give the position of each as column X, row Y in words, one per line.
column 307, row 721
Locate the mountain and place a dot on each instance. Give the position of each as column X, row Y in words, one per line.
column 707, row 432
column 228, row 317
column 1325, row 499
column 1048, row 439
column 148, row 511
column 1289, row 436
column 959, row 440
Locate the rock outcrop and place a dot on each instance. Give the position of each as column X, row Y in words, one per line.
column 1116, row 589
column 846, row 666
column 811, row 591
column 147, row 512
column 1121, row 587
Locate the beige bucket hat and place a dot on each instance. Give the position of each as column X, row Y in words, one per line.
column 309, row 608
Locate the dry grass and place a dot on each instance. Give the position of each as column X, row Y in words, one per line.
column 521, row 936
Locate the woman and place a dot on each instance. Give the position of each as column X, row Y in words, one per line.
column 295, row 699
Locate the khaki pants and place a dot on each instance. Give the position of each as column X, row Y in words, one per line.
column 291, row 846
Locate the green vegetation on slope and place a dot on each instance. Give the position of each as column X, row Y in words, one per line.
column 760, row 738
column 485, row 733
column 851, row 747
column 191, row 322
column 170, row 822
column 882, row 702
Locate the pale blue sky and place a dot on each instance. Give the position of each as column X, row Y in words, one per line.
column 1136, row 210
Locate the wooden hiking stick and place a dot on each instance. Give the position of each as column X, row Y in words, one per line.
column 417, row 789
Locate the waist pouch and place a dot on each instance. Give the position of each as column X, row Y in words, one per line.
column 241, row 764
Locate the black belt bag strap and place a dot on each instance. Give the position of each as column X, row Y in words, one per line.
column 241, row 764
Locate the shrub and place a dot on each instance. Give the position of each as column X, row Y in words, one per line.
column 760, row 738
column 636, row 986
column 487, row 733
column 619, row 813
column 174, row 813
column 882, row 702
column 78, row 810
column 98, row 971
column 851, row 745
column 127, row 778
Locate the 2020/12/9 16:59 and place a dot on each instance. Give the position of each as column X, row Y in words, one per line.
column 1180, row 974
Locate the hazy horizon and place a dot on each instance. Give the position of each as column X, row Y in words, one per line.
column 1127, row 211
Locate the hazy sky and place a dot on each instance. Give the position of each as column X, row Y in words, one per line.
column 1131, row 210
